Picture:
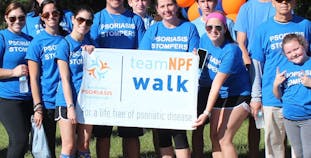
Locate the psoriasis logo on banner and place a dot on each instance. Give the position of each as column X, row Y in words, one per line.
column 98, row 68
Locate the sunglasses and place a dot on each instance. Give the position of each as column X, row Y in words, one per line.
column 81, row 20
column 209, row 28
column 280, row 1
column 54, row 14
column 14, row 18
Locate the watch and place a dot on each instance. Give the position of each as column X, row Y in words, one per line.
column 70, row 105
column 205, row 112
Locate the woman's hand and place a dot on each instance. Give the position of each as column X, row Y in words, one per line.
column 20, row 70
column 201, row 120
column 195, row 51
column 71, row 114
column 88, row 48
column 38, row 117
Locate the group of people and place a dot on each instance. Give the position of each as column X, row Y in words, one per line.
column 260, row 62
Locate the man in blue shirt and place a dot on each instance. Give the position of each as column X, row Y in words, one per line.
column 117, row 27
column 267, row 55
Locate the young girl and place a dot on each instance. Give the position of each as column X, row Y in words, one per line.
column 69, row 61
column 171, row 26
column 43, row 70
column 15, row 106
column 227, row 104
column 292, row 84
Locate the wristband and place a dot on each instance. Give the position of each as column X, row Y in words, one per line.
column 205, row 112
column 70, row 105
column 37, row 106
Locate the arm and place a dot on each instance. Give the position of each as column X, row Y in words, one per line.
column 218, row 81
column 35, row 90
column 18, row 71
column 241, row 39
column 65, row 79
column 256, row 77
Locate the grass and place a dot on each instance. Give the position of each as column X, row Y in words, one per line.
column 147, row 150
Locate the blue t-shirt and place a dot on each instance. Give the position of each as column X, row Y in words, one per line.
column 13, row 48
column 183, row 38
column 122, row 31
column 296, row 97
column 33, row 26
column 268, row 50
column 251, row 15
column 148, row 21
column 70, row 51
column 228, row 60
column 200, row 24
column 42, row 50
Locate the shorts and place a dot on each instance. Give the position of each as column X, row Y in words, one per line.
column 179, row 136
column 124, row 132
column 232, row 101
column 60, row 113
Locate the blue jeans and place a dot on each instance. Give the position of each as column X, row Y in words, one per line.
column 299, row 136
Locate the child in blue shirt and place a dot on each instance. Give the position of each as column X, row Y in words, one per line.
column 292, row 85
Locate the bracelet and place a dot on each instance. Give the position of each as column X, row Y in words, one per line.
column 70, row 105
column 39, row 112
column 205, row 112
column 37, row 107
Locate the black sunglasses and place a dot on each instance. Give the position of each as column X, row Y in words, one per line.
column 54, row 14
column 209, row 28
column 280, row 1
column 14, row 18
column 81, row 20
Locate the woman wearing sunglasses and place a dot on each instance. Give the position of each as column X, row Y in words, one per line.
column 70, row 64
column 33, row 25
column 227, row 104
column 43, row 72
column 177, row 35
column 15, row 105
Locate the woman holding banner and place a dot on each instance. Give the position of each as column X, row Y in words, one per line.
column 69, row 60
column 171, row 26
column 227, row 104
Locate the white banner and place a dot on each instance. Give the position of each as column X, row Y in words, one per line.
column 139, row 88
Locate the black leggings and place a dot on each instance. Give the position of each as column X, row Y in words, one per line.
column 15, row 117
column 179, row 136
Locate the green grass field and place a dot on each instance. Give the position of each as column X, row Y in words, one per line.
column 147, row 150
